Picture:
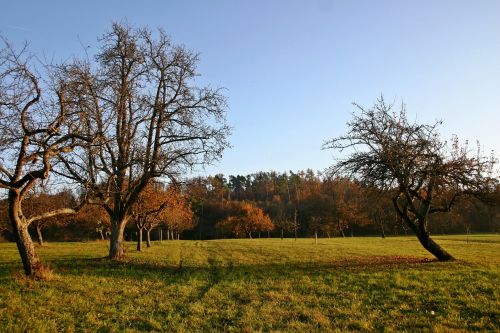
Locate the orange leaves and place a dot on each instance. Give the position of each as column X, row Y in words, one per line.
column 160, row 205
column 244, row 219
column 92, row 214
column 178, row 214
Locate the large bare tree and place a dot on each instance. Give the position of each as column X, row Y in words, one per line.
column 423, row 174
column 141, row 98
column 36, row 125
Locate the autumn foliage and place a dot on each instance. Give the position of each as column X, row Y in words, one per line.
column 244, row 219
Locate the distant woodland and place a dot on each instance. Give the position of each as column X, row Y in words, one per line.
column 263, row 204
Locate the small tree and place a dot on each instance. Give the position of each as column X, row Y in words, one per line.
column 154, row 206
column 411, row 162
column 178, row 215
column 244, row 219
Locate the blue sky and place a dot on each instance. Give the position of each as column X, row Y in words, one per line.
column 293, row 68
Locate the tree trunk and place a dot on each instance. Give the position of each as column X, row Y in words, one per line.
column 25, row 246
column 430, row 245
column 161, row 235
column 116, row 250
column 316, row 237
column 250, row 235
column 281, row 233
column 420, row 229
column 101, row 233
column 39, row 236
column 31, row 262
column 178, row 235
column 382, row 231
column 139, row 239
column 341, row 230
column 148, row 238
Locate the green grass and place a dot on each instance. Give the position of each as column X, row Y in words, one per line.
column 268, row 285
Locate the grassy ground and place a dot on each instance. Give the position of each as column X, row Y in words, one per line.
column 269, row 285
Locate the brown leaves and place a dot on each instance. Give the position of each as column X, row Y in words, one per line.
column 244, row 219
column 159, row 205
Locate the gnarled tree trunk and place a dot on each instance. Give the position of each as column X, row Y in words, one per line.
column 419, row 227
column 430, row 245
column 31, row 262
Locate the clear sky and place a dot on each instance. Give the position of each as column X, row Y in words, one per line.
column 293, row 68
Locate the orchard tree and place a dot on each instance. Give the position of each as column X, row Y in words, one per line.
column 147, row 210
column 142, row 210
column 37, row 124
column 244, row 219
column 153, row 122
column 423, row 174
column 178, row 216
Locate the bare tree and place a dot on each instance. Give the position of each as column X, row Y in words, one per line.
column 423, row 174
column 36, row 125
column 139, row 95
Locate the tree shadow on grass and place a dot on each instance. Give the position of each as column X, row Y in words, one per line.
column 217, row 270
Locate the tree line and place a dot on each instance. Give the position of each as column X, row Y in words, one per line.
column 262, row 204
column 308, row 204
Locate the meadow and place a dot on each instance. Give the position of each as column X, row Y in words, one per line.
column 360, row 284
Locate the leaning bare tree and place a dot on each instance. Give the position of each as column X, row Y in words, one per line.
column 36, row 125
column 423, row 174
column 140, row 95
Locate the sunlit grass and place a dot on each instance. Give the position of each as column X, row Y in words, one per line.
column 351, row 284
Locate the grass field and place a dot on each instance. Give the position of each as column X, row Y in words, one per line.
column 268, row 285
